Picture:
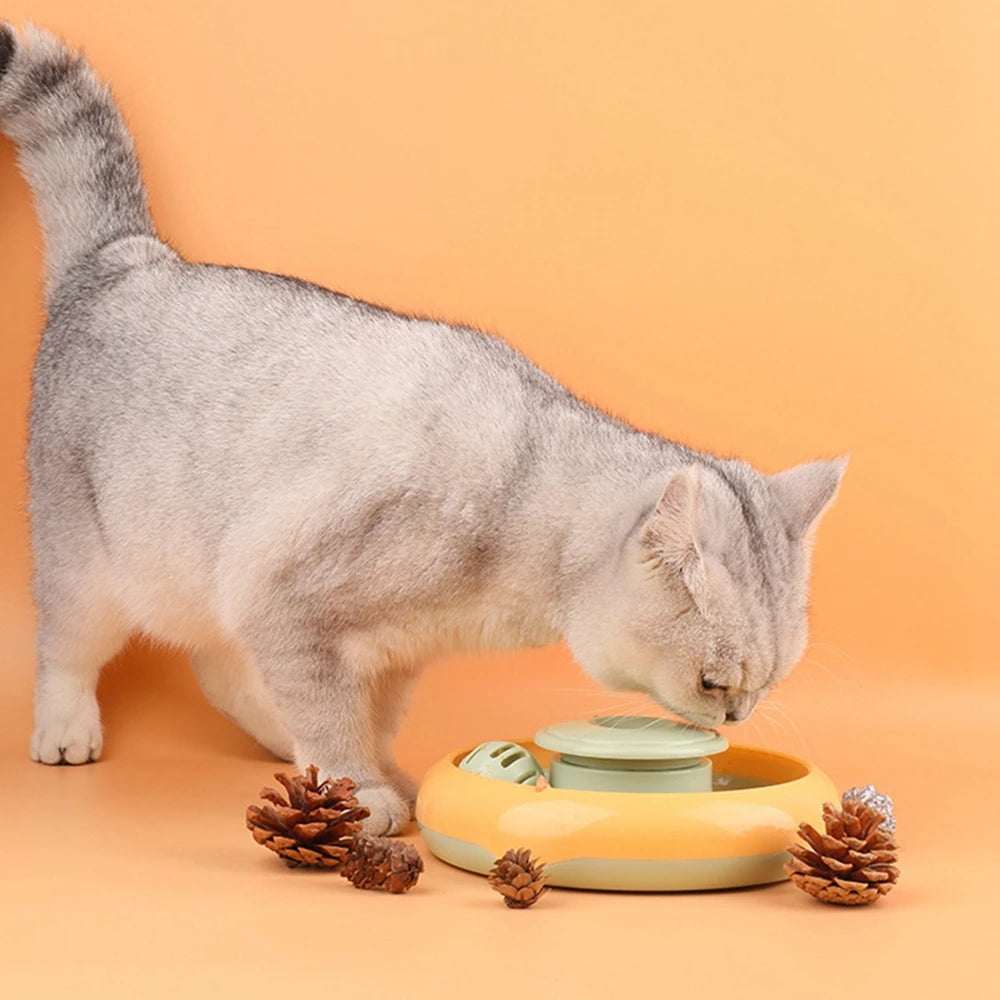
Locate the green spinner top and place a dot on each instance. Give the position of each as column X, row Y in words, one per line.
column 629, row 753
column 631, row 737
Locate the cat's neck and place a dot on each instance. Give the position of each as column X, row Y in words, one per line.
column 597, row 480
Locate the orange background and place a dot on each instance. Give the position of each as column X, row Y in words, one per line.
column 766, row 229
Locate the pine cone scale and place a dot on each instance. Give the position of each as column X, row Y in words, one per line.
column 883, row 856
column 851, row 885
column 838, row 866
column 804, row 854
column 308, row 831
column 309, row 858
column 346, row 815
column 273, row 795
column 813, row 884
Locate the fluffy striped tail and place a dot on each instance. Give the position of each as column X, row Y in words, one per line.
column 74, row 149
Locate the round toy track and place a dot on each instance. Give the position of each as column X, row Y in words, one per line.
column 600, row 817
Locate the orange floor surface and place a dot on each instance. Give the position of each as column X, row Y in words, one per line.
column 135, row 877
column 767, row 229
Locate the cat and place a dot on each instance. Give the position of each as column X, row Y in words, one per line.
column 315, row 496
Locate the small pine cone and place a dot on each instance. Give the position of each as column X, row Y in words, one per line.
column 852, row 863
column 518, row 877
column 314, row 826
column 382, row 863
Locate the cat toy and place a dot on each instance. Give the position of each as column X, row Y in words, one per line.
column 639, row 804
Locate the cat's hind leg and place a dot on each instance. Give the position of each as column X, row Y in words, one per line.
column 231, row 683
column 80, row 624
column 77, row 635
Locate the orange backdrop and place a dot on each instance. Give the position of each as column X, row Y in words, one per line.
column 765, row 229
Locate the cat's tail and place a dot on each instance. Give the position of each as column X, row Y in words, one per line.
column 74, row 149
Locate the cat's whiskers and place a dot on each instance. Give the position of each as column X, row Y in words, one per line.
column 825, row 667
column 793, row 728
column 592, row 692
column 752, row 726
column 639, row 705
column 625, row 707
column 763, row 716
column 624, row 710
column 833, row 647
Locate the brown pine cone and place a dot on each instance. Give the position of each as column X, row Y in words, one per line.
column 518, row 877
column 852, row 863
column 314, row 827
column 382, row 863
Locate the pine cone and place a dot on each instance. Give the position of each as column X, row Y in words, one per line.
column 316, row 824
column 518, row 877
column 852, row 863
column 382, row 863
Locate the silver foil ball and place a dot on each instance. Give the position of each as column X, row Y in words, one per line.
column 876, row 800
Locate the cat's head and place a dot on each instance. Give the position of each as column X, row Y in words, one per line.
column 704, row 605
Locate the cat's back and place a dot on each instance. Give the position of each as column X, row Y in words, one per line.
column 175, row 347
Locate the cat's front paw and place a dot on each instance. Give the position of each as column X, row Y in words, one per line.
column 69, row 739
column 390, row 811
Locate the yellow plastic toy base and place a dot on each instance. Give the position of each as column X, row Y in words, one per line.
column 626, row 840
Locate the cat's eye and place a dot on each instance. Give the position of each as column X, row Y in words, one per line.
column 707, row 684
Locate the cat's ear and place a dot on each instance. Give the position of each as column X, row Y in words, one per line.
column 670, row 530
column 804, row 494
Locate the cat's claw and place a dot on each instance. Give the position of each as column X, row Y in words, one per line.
column 390, row 811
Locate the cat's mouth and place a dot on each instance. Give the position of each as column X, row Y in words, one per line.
column 701, row 719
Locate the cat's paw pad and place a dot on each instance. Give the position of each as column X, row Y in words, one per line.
column 390, row 811
column 76, row 740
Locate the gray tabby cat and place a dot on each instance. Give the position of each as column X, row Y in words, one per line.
column 316, row 496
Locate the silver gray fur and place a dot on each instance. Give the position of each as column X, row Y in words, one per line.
column 316, row 496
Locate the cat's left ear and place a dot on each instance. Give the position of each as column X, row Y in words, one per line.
column 805, row 493
column 670, row 530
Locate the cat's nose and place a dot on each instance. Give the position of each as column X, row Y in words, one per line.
column 739, row 707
